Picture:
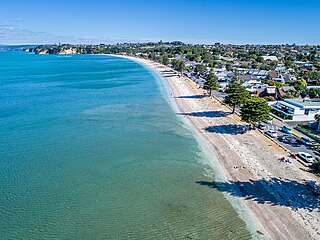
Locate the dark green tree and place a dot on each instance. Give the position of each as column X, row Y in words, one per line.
column 259, row 59
column 236, row 95
column 178, row 65
column 255, row 110
column 211, row 83
column 165, row 60
column 200, row 68
column 300, row 84
column 317, row 118
column 228, row 67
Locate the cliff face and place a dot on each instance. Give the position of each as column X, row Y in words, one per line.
column 45, row 51
column 68, row 51
column 56, row 50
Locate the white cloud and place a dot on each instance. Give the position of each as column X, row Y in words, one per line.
column 16, row 20
column 12, row 34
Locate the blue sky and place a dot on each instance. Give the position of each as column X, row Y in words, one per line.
column 191, row 21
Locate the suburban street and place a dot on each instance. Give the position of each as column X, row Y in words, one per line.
column 289, row 141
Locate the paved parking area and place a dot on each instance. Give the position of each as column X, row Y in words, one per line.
column 289, row 141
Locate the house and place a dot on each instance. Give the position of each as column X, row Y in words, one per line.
column 272, row 91
column 251, row 82
column 270, row 58
column 247, row 77
column 311, row 86
column 263, row 73
column 288, row 89
column 279, row 79
column 297, row 109
column 274, row 74
column 288, row 78
column 221, row 76
column 254, row 86
column 223, row 86
column 280, row 68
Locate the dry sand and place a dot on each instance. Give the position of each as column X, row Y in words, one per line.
column 276, row 193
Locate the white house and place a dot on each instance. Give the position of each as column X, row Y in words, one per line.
column 270, row 58
column 297, row 109
column 279, row 79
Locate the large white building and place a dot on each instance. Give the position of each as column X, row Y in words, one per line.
column 270, row 58
column 297, row 109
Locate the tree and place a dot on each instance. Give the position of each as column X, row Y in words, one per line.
column 317, row 118
column 313, row 92
column 236, row 95
column 265, row 67
column 278, row 84
column 260, row 59
column 254, row 110
column 316, row 166
column 165, row 60
column 228, row 67
column 178, row 65
column 289, row 95
column 197, row 58
column 236, row 77
column 300, row 84
column 211, row 83
column 200, row 68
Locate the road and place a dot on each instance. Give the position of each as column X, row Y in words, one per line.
column 290, row 141
column 198, row 80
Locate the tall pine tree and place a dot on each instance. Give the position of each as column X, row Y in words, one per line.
column 255, row 110
column 236, row 95
column 211, row 83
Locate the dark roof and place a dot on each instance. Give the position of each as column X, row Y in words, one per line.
column 248, row 77
column 274, row 74
column 287, row 88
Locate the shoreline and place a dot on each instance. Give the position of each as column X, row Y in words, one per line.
column 248, row 163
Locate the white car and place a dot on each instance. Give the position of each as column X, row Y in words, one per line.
column 262, row 126
column 271, row 133
column 305, row 157
column 268, row 121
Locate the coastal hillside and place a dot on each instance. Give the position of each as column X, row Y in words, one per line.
column 56, row 49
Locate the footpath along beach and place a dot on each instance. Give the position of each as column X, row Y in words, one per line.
column 279, row 195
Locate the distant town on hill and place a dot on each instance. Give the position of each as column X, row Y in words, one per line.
column 268, row 65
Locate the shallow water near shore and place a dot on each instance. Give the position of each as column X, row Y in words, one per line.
column 91, row 149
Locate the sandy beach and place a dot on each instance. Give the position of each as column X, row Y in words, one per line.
column 279, row 195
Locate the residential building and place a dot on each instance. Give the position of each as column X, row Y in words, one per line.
column 297, row 109
column 270, row 58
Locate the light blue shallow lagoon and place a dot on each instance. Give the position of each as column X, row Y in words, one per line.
column 91, row 149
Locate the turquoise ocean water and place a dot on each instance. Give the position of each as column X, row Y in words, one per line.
column 91, row 149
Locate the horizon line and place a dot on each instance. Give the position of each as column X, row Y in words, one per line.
column 164, row 42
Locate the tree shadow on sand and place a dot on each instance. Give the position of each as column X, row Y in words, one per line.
column 206, row 114
column 170, row 75
column 232, row 129
column 288, row 193
column 193, row 96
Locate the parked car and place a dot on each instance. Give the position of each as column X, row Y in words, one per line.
column 305, row 157
column 305, row 141
column 271, row 133
column 286, row 129
column 268, row 121
column 262, row 126
column 282, row 138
